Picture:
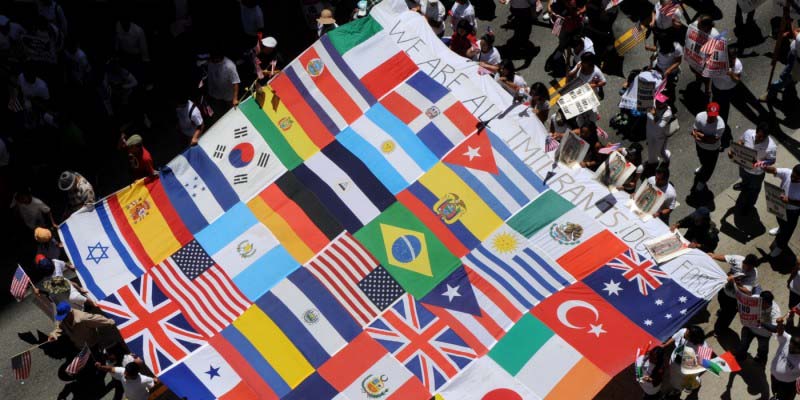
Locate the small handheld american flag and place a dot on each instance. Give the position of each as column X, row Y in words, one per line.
column 21, row 364
column 704, row 353
column 19, row 284
column 557, row 24
column 763, row 163
column 79, row 361
column 670, row 8
column 550, row 144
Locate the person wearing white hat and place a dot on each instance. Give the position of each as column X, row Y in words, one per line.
column 269, row 61
column 325, row 22
column 462, row 9
column 79, row 191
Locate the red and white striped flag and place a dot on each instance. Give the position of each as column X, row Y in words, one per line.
column 704, row 353
column 79, row 361
column 710, row 45
column 557, row 24
column 21, row 364
column 19, row 284
column 550, row 144
column 670, row 8
column 763, row 163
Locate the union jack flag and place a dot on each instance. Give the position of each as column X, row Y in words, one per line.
column 425, row 344
column 644, row 271
column 152, row 325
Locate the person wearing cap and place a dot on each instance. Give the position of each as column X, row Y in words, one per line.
column 701, row 232
column 325, row 22
column 81, row 328
column 360, row 11
column 657, row 129
column 435, row 12
column 743, row 273
column 223, row 83
column 462, row 9
column 785, row 366
column 724, row 87
column 790, row 183
column 79, row 191
column 686, row 340
column 753, row 177
column 139, row 159
column 661, row 181
column 767, row 321
column 46, row 244
column 707, row 132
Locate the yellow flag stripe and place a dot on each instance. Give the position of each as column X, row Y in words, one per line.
column 288, row 126
column 147, row 222
column 281, row 229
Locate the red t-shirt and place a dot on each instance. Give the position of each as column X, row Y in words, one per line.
column 141, row 166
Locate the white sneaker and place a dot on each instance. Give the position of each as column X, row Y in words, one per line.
column 546, row 16
column 697, row 170
column 668, row 154
column 774, row 231
column 776, row 252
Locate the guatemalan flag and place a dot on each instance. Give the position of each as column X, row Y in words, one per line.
column 197, row 188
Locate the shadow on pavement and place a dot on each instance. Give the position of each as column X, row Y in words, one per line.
column 745, row 227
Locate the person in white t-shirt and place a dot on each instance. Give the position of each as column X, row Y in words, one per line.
column 785, row 366
column 723, row 88
column 753, row 177
column 587, row 71
column 690, row 337
column 31, row 211
column 508, row 78
column 488, row 56
column 661, row 181
column 785, row 80
column 794, row 288
column 657, row 130
column 790, row 183
column 707, row 132
column 190, row 120
column 136, row 385
column 767, row 321
column 462, row 9
column 76, row 63
column 705, row 24
column 743, row 273
column 223, row 83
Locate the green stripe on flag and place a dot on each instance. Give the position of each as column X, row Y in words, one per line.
column 548, row 207
column 517, row 347
column 270, row 133
column 353, row 33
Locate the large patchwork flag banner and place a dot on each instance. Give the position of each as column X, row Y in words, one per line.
column 373, row 225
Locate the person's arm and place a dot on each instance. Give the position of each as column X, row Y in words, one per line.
column 718, row 257
column 779, row 328
column 490, row 67
column 572, row 74
column 130, row 82
column 105, row 368
column 196, row 135
column 96, row 321
column 673, row 67
column 235, row 100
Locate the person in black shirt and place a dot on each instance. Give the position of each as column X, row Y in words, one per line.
column 701, row 232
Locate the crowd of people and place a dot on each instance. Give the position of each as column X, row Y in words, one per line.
column 74, row 92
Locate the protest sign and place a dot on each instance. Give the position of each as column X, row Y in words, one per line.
column 645, row 92
column 647, row 200
column 749, row 5
column 744, row 156
column 774, row 203
column 716, row 57
column 614, row 171
column 749, row 309
column 667, row 247
column 695, row 39
column 578, row 101
column 573, row 150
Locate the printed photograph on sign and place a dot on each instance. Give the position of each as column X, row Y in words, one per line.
column 614, row 171
column 578, row 101
column 667, row 247
column 646, row 201
column 573, row 150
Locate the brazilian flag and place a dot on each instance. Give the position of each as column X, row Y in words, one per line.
column 408, row 250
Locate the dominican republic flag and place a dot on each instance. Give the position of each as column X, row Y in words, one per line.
column 19, row 284
column 197, row 188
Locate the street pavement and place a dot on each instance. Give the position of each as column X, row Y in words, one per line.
column 738, row 236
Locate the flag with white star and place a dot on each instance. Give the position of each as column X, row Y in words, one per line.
column 646, row 295
column 206, row 375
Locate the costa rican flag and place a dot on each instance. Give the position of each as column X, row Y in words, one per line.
column 19, row 284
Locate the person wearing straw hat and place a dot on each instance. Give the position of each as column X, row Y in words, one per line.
column 690, row 371
column 80, row 327
column 79, row 191
column 326, row 22
column 686, row 340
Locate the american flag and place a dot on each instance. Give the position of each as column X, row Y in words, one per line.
column 79, row 361
column 610, row 148
column 763, row 163
column 557, row 24
column 208, row 297
column 670, row 8
column 21, row 364
column 550, row 144
column 704, row 353
column 19, row 284
column 711, row 44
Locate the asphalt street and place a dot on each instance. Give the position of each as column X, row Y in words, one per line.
column 737, row 237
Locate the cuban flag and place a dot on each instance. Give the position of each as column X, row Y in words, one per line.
column 197, row 188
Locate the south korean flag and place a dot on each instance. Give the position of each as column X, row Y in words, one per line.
column 243, row 156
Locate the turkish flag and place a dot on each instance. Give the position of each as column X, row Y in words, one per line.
column 593, row 327
column 475, row 152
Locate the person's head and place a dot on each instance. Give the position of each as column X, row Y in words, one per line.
column 5, row 25
column 132, row 371
column 695, row 334
column 464, row 27
column 705, row 23
column 181, row 99
column 134, row 144
column 588, row 133
column 45, row 265
column 29, row 74
column 587, row 63
column 762, row 131
column 66, row 181
column 63, row 311
column 539, row 92
column 733, row 53
column 216, row 55
column 794, row 344
column 507, row 69
column 576, row 43
column 712, row 112
column 766, row 299
column 662, row 176
column 665, row 43
column 71, row 44
column 326, row 17
column 23, row 195
column 701, row 216
column 487, row 42
column 125, row 22
column 656, row 355
column 633, row 153
column 268, row 45
column 750, row 262
column 795, row 173
column 561, row 118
